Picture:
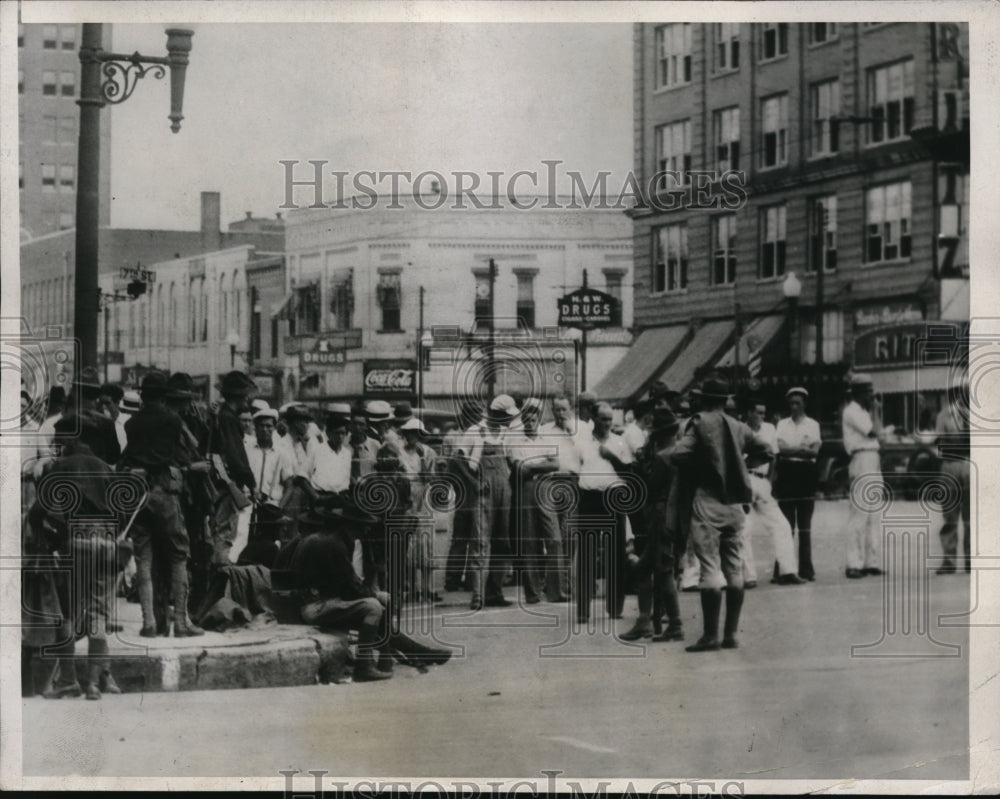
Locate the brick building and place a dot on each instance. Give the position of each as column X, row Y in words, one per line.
column 852, row 144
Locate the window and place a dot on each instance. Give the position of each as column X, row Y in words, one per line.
column 20, row 34
column 67, row 84
column 342, row 299
column 389, row 296
column 65, row 220
column 20, row 175
column 50, row 37
column 887, row 213
column 67, row 37
column 307, row 309
column 66, row 130
column 526, row 297
column 833, row 338
column 131, row 325
column 193, row 311
column 673, row 153
column 613, row 285
column 825, row 101
column 49, row 86
column 670, row 264
column 727, row 138
column 204, row 310
column 820, row 32
column 890, row 101
column 673, row 55
column 774, row 127
column 50, row 129
column 274, row 336
column 482, row 305
column 67, row 177
column 723, row 250
column 773, row 40
column 48, row 177
column 255, row 326
column 772, row 241
column 823, row 233
column 727, row 46
column 20, row 81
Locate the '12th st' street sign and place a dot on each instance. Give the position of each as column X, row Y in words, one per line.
column 588, row 308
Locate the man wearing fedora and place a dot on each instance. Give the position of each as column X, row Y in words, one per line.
column 952, row 427
column 101, row 436
column 861, row 426
column 484, row 454
column 158, row 451
column 232, row 466
column 712, row 449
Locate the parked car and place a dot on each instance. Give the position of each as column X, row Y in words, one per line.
column 907, row 462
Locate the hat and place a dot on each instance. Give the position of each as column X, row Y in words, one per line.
column 260, row 405
column 130, row 402
column 266, row 413
column 664, row 421
column 413, row 423
column 531, row 404
column 339, row 409
column 88, row 381
column 716, row 388
column 861, row 380
column 236, row 384
column 284, row 408
column 180, row 386
column 586, row 397
column 502, row 408
column 154, row 384
column 402, row 412
column 797, row 391
column 296, row 411
column 115, row 392
column 378, row 411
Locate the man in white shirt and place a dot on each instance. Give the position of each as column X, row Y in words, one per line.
column 797, row 475
column 764, row 511
column 330, row 467
column 861, row 425
column 586, row 404
column 603, row 454
column 300, row 443
column 636, row 432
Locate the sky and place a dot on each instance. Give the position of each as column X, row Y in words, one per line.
column 373, row 96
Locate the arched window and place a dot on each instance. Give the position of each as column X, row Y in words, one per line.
column 237, row 304
column 172, row 315
column 204, row 310
column 223, row 307
column 192, row 311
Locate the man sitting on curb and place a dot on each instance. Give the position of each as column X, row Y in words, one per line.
column 333, row 595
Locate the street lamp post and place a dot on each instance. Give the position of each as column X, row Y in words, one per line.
column 120, row 74
column 233, row 340
column 792, row 289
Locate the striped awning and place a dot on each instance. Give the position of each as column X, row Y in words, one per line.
column 756, row 336
column 287, row 308
column 700, row 351
column 647, row 355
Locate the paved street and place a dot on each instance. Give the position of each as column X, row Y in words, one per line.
column 790, row 703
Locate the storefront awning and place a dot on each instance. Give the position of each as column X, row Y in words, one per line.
column 755, row 338
column 287, row 308
column 700, row 351
column 909, row 380
column 644, row 359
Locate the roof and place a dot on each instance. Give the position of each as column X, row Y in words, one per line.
column 647, row 355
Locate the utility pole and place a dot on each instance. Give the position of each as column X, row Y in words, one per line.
column 491, row 378
column 820, row 299
column 583, row 347
column 420, row 353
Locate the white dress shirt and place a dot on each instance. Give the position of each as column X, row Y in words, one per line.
column 271, row 467
column 803, row 434
column 635, row 437
column 566, row 444
column 330, row 470
column 596, row 472
column 856, row 424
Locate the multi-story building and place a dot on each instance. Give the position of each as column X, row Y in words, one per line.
column 851, row 144
column 370, row 291
column 48, row 84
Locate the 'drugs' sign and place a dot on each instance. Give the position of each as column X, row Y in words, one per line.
column 588, row 308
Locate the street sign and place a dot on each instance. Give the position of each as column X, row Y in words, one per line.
column 588, row 308
column 137, row 273
column 390, row 378
column 321, row 358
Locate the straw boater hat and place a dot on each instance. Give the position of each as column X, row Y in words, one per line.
column 130, row 402
column 860, row 380
column 378, row 411
column 266, row 413
column 531, row 404
column 502, row 409
column 413, row 424
column 339, row 409
column 259, row 405
column 797, row 391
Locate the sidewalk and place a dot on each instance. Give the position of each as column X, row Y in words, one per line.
column 252, row 657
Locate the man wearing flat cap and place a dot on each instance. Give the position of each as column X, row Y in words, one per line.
column 861, row 425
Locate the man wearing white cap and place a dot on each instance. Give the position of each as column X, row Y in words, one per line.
column 484, row 452
column 796, row 478
column 861, row 425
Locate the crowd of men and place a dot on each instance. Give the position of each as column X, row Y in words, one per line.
column 344, row 499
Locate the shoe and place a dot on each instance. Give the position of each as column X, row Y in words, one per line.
column 704, row 645
column 873, row 571
column 107, row 684
column 368, row 672
column 70, row 690
column 750, row 584
column 532, row 600
column 675, row 634
column 386, row 662
column 93, row 692
column 498, row 602
column 946, row 568
column 810, row 577
column 113, row 627
column 730, row 642
column 790, row 579
column 163, row 629
column 643, row 628
column 148, row 632
column 476, row 603
column 560, row 598
column 187, row 630
column 855, row 574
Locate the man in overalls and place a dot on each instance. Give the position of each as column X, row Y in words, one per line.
column 484, row 452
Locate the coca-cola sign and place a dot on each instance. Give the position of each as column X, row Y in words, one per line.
column 396, row 378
